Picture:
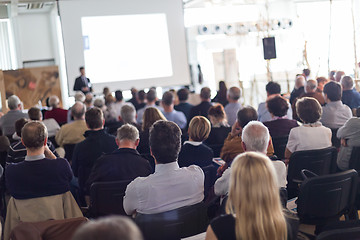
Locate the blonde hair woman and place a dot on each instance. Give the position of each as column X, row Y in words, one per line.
column 253, row 207
column 194, row 151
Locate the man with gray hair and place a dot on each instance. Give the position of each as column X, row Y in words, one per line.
column 255, row 138
column 298, row 88
column 128, row 115
column 310, row 91
column 350, row 96
column 231, row 109
column 57, row 113
column 72, row 133
column 125, row 163
column 7, row 122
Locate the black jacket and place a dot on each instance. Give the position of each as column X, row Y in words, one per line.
column 122, row 164
column 200, row 155
column 80, row 84
column 86, row 152
column 200, row 110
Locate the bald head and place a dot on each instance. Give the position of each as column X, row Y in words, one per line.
column 78, row 111
column 34, row 135
column 299, row 82
column 255, row 137
column 54, row 101
column 338, row 75
column 311, row 86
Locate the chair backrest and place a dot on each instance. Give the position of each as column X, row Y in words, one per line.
column 175, row 224
column 210, row 178
column 106, row 198
column 335, row 141
column 279, row 144
column 341, row 230
column 321, row 162
column 327, row 197
column 354, row 162
column 69, row 150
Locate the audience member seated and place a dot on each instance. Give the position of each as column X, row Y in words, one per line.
column 231, row 109
column 338, row 76
column 350, row 137
column 133, row 100
column 299, row 88
column 150, row 116
column 256, row 138
column 72, row 133
column 194, row 152
column 312, row 134
column 110, row 113
column 280, row 125
column 221, row 95
column 151, row 102
column 89, row 97
column 79, row 97
column 253, row 208
column 57, row 113
column 17, row 150
column 350, row 96
column 203, row 108
column 41, row 174
column 125, row 163
column 110, row 228
column 170, row 187
column 7, row 121
column 51, row 125
column 96, row 143
column 220, row 128
column 141, row 97
column 128, row 115
column 170, row 113
column 272, row 89
column 183, row 106
column 119, row 104
column 321, row 81
column 334, row 113
column 233, row 143
column 311, row 91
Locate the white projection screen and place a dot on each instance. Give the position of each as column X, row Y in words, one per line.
column 124, row 44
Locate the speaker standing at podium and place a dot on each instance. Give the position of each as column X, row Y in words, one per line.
column 82, row 83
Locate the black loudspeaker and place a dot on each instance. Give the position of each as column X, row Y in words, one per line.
column 269, row 48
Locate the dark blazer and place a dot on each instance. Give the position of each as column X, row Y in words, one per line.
column 143, row 147
column 80, row 84
column 200, row 155
column 185, row 108
column 121, row 164
column 86, row 152
column 200, row 110
column 217, row 138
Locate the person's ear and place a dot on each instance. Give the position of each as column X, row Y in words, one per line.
column 117, row 142
column 103, row 124
column 244, row 146
column 137, row 142
column 45, row 142
column 22, row 141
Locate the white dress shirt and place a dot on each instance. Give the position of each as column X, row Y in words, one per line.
column 222, row 184
column 335, row 114
column 170, row 187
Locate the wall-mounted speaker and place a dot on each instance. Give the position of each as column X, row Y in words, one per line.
column 269, row 48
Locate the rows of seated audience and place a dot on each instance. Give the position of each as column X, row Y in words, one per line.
column 230, row 159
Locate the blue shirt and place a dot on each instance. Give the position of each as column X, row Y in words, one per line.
column 176, row 117
column 351, row 98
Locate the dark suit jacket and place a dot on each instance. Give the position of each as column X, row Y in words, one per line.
column 80, row 84
column 200, row 110
column 185, row 108
column 122, row 164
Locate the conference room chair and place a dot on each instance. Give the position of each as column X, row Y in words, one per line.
column 210, row 178
column 47, row 230
column 354, row 163
column 320, row 162
column 106, row 198
column 335, row 141
column 324, row 199
column 279, row 144
column 342, row 230
column 69, row 150
column 175, row 224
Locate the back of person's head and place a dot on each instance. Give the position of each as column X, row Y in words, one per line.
column 94, row 118
column 150, row 116
column 183, row 94
column 141, row 95
column 256, row 137
column 78, row 110
column 306, row 72
column 299, row 81
column 333, row 91
column 308, row 109
column 338, row 75
column 89, row 98
column 217, row 113
column 99, row 102
column 128, row 114
column 245, row 115
column 79, row 96
column 347, row 82
column 254, row 198
column 321, row 80
column 205, row 93
column 151, row 96
column 165, row 141
column 54, row 101
column 35, row 114
column 134, row 92
column 273, row 88
column 34, row 135
column 234, row 93
column 311, row 86
column 106, row 91
column 109, row 228
column 109, row 99
column 127, row 132
column 119, row 95
column 13, row 102
column 199, row 129
column 168, row 98
column 277, row 106
column 81, row 68
column 19, row 124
